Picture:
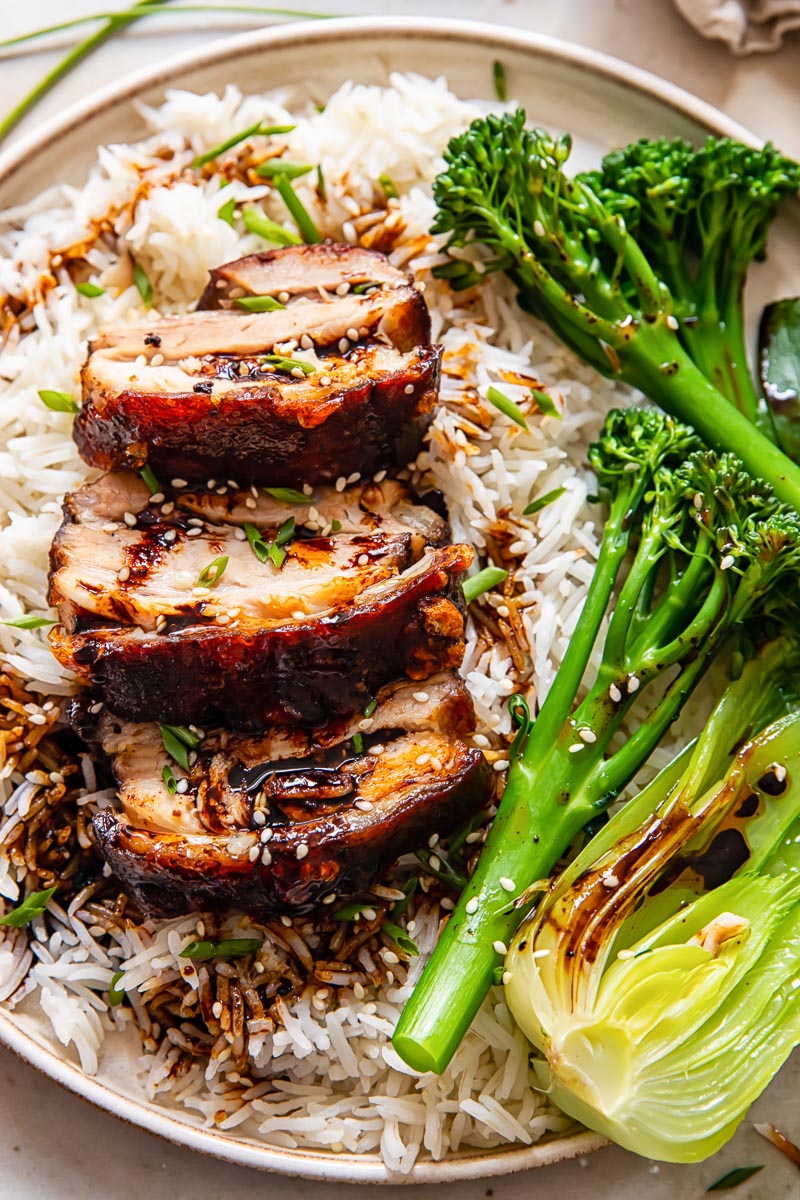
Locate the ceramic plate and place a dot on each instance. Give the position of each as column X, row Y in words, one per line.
column 603, row 102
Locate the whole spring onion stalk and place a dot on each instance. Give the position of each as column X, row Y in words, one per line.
column 714, row 553
column 581, row 269
column 702, row 217
column 658, row 976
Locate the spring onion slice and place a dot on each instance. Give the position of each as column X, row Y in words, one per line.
column 58, row 401
column 32, row 906
column 484, row 581
column 506, row 406
column 308, row 230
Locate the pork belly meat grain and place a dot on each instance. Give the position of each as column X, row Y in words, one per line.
column 327, row 830
column 297, row 631
column 309, row 392
column 291, row 271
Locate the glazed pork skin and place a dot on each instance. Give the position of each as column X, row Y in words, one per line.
column 421, row 783
column 196, row 395
column 345, row 614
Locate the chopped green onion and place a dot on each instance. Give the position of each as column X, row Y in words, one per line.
column 520, row 715
column 211, row 575
column 545, row 404
column 178, row 741
column 115, row 995
column 281, row 166
column 308, row 229
column 507, row 406
column 499, row 78
column 543, row 501
column 408, row 889
column 484, row 581
column 388, row 185
column 351, row 912
column 257, row 222
column 358, row 289
column 321, row 186
column 90, row 290
column 370, row 708
column 279, row 363
column 358, row 743
column 286, row 531
column 259, row 303
column 58, row 401
column 143, row 285
column 497, row 976
column 276, row 555
column 257, row 543
column 230, row 948
column 400, row 938
column 170, row 782
column 252, row 131
column 32, row 906
column 151, row 483
column 336, row 526
column 28, row 622
column 226, row 212
column 734, row 1178
column 288, row 495
column 444, row 871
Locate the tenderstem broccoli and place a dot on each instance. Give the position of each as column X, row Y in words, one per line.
column 658, row 976
column 638, row 268
column 709, row 553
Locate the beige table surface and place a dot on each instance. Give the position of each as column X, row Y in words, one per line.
column 55, row 1147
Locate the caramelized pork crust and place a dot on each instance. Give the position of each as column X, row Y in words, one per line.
column 324, row 835
column 359, row 600
column 293, row 271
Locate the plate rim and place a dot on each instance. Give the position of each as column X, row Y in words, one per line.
column 316, row 1164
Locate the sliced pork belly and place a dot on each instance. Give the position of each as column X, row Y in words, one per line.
column 327, row 830
column 212, row 414
column 330, row 267
column 345, row 612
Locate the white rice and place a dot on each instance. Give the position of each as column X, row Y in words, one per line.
column 328, row 1077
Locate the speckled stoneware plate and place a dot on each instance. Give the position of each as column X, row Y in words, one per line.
column 603, row 102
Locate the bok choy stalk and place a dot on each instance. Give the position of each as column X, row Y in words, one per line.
column 567, row 245
column 713, row 552
column 659, row 976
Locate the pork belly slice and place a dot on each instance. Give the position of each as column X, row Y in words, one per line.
column 345, row 613
column 221, row 413
column 288, row 765
column 326, row 834
column 301, row 271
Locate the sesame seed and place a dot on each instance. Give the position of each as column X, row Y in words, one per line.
column 475, row 836
column 157, row 360
column 364, row 805
column 447, row 904
column 342, row 288
column 301, row 851
column 500, row 947
column 253, row 853
column 615, row 693
column 421, row 697
column 306, row 342
column 472, row 905
column 423, row 759
column 157, row 497
column 38, row 719
column 480, row 739
column 240, row 535
column 341, row 483
column 369, row 914
column 434, row 862
column 633, row 683
column 506, row 977
column 366, row 724
column 363, row 559
column 266, row 857
column 698, row 500
column 507, row 884
column 587, row 735
column 576, row 747
column 168, row 508
column 286, row 921
column 267, row 835
column 538, row 228
column 378, row 748
column 354, row 478
column 409, row 389
column 433, row 839
column 358, row 988
column 539, row 953
column 250, row 502
column 129, row 519
column 123, row 574
column 216, row 1009
column 179, row 483
column 672, row 322
column 298, row 615
column 260, row 968
column 201, row 591
column 609, row 880
column 283, row 297
column 389, row 956
column 182, row 786
column 325, row 381
column 623, row 954
column 111, row 527
column 259, row 817
column 344, row 345
column 170, row 535
column 96, row 708
column 501, row 764
column 379, row 477
column 307, row 489
column 352, row 334
column 330, row 898
column 726, row 562
column 297, row 373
